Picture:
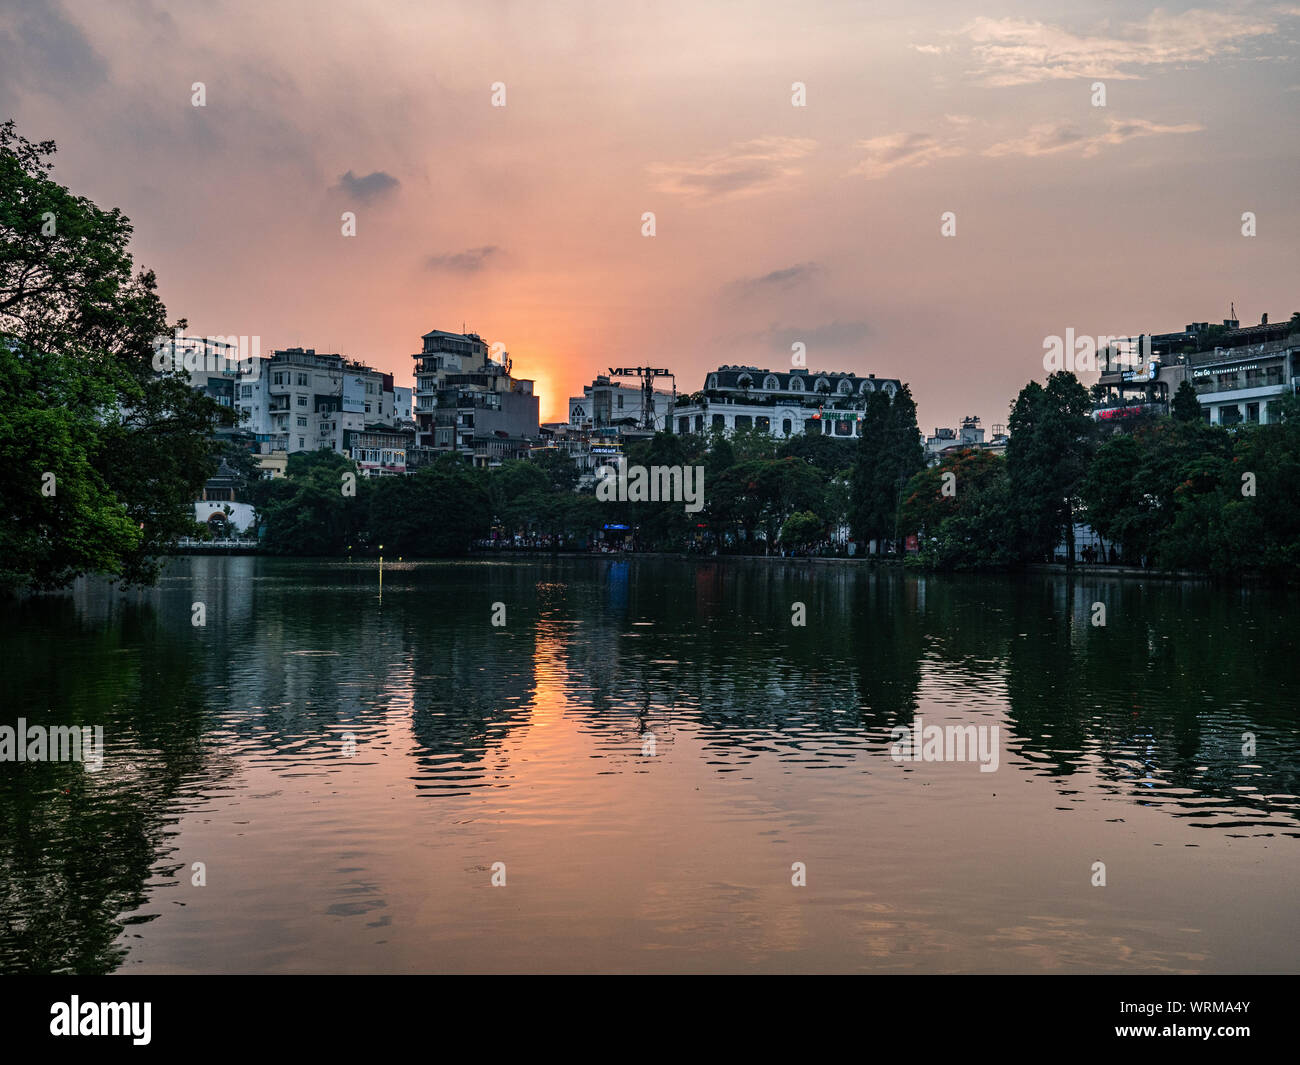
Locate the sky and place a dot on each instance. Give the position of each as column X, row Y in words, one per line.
column 774, row 224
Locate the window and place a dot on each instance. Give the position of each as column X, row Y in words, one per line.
column 620, row 402
column 1252, row 412
column 1229, row 415
column 683, row 426
column 764, row 423
column 699, row 423
column 719, row 422
column 786, row 427
column 796, row 384
column 302, row 380
column 845, row 386
column 367, row 408
column 301, row 442
column 246, row 391
column 743, row 421
column 302, row 422
column 771, row 383
column 277, row 379
column 302, row 401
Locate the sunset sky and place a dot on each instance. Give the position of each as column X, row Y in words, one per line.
column 775, row 223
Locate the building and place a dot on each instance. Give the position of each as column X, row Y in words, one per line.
column 302, row 400
column 379, row 451
column 780, row 402
column 1239, row 374
column 608, row 405
column 211, row 365
column 970, row 435
column 218, row 507
column 403, row 404
column 468, row 403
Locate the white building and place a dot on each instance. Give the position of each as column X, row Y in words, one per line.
column 299, row 400
column 781, row 402
column 403, row 401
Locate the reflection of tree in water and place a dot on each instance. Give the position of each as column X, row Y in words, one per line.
column 711, row 645
column 76, row 846
column 473, row 683
column 1161, row 694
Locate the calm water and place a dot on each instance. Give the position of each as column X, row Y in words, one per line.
column 649, row 746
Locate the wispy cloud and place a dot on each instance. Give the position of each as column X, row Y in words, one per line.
column 1013, row 51
column 882, row 155
column 1050, row 138
column 469, row 261
column 368, row 189
column 786, row 277
column 743, row 169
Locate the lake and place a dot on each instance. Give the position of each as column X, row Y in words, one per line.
column 647, row 767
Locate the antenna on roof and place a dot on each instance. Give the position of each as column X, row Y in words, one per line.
column 1232, row 311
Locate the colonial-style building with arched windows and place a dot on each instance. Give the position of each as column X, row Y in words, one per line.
column 781, row 402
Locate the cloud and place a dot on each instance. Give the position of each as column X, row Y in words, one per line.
column 895, row 150
column 787, row 277
column 51, row 54
column 1058, row 137
column 1012, row 51
column 368, row 189
column 743, row 169
column 469, row 261
column 834, row 334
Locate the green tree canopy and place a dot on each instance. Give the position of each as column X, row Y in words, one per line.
column 101, row 457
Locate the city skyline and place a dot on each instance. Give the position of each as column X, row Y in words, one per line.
column 774, row 223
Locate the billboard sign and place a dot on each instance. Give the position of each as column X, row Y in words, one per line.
column 354, row 394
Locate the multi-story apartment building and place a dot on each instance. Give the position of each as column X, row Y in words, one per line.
column 467, row 402
column 211, row 365
column 781, row 402
column 1239, row 373
column 302, row 400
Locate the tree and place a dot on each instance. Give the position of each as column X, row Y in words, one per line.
column 967, row 527
column 889, row 453
column 802, row 527
column 825, row 452
column 1185, row 406
column 558, row 466
column 101, row 457
column 1047, row 454
column 306, row 512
